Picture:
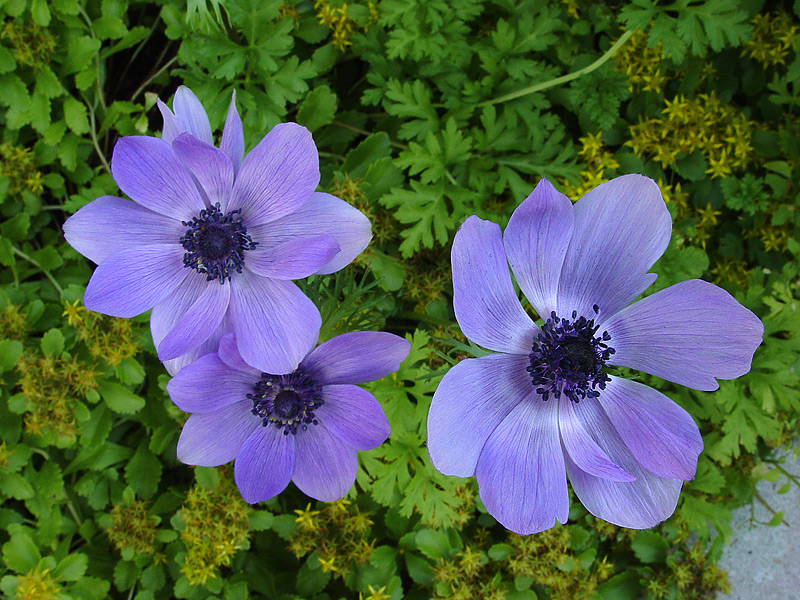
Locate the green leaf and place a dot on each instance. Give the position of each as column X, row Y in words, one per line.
column 120, row 399
column 649, row 547
column 109, row 27
column 10, row 351
column 20, row 554
column 143, row 471
column 53, row 343
column 80, row 52
column 434, row 543
column 318, row 108
column 75, row 115
column 40, row 12
column 71, row 568
column 359, row 159
column 15, row 485
column 16, row 228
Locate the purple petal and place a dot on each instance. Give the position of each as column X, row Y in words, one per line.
column 636, row 504
column 689, row 333
column 621, row 228
column 264, row 465
column 190, row 115
column 277, row 176
column 148, row 170
column 294, row 259
column 170, row 311
column 660, row 434
column 356, row 357
column 536, row 242
column 208, row 384
column 325, row 467
column 170, row 131
column 209, row 346
column 275, row 324
column 322, row 214
column 472, row 399
column 214, row 438
column 521, row 475
column 229, row 354
column 198, row 322
column 354, row 416
column 211, row 167
column 134, row 280
column 232, row 142
column 581, row 447
column 107, row 225
column 487, row 309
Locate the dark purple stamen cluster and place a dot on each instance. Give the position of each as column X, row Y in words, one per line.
column 215, row 243
column 568, row 358
column 287, row 401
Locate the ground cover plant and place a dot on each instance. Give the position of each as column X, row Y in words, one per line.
column 424, row 112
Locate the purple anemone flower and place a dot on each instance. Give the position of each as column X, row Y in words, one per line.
column 543, row 407
column 213, row 239
column 305, row 426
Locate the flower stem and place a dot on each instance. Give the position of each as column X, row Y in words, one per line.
column 52, row 279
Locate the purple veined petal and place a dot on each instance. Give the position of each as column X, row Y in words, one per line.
column 148, row 170
column 536, row 242
column 232, row 142
column 109, row 224
column 472, row 399
column 354, row 416
column 215, row 438
column 689, row 333
column 521, row 475
column 582, row 449
column 325, row 467
column 621, row 228
column 356, row 357
column 265, row 463
column 170, row 131
column 294, row 259
column 198, row 322
column 209, row 346
column 167, row 313
column 278, row 176
column 636, row 504
column 190, row 115
column 211, row 167
column 486, row 307
column 229, row 354
column 275, row 324
column 322, row 214
column 662, row 437
column 208, row 384
column 134, row 280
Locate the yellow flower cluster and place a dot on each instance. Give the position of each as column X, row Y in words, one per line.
column 693, row 576
column 132, row 527
column 774, row 37
column 18, row 165
column 217, row 525
column 572, row 8
column 108, row 338
column 37, row 584
column 31, row 45
column 641, row 64
column 730, row 270
column 344, row 26
column 598, row 160
column 13, row 322
column 704, row 123
column 338, row 533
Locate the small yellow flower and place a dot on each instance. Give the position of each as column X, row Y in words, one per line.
column 305, row 518
column 327, row 565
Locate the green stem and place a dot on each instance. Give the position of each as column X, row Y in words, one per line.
column 784, row 471
column 768, row 507
column 52, row 279
column 564, row 78
column 365, row 132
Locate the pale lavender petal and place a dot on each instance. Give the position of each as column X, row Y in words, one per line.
column 148, row 170
column 580, row 446
column 170, row 131
column 229, row 354
column 211, row 167
column 322, row 214
column 636, row 504
column 214, row 438
column 486, row 307
column 167, row 313
column 662, row 436
column 689, row 333
column 521, row 476
column 208, row 384
column 275, row 324
column 536, row 242
column 232, row 142
column 278, row 176
column 209, row 346
column 356, row 357
column 264, row 465
column 107, row 225
column 294, row 259
column 325, row 467
column 134, row 280
column 198, row 322
column 190, row 115
column 472, row 399
column 354, row 416
column 621, row 228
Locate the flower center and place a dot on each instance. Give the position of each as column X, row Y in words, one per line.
column 568, row 358
column 215, row 243
column 287, row 401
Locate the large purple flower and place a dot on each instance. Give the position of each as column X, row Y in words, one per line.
column 543, row 407
column 305, row 426
column 212, row 240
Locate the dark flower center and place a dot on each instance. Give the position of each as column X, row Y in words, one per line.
column 287, row 401
column 568, row 358
column 215, row 243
